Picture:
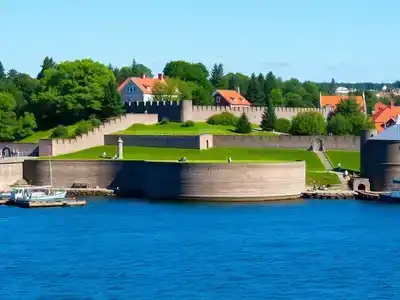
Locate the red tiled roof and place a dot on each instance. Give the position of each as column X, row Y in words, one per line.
column 384, row 114
column 334, row 100
column 233, row 97
column 144, row 84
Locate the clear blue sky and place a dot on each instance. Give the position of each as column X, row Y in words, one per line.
column 349, row 40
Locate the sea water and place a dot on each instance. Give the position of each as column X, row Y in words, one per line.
column 129, row 249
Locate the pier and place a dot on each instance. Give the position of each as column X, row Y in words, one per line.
column 329, row 195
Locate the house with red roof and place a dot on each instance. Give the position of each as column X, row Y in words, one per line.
column 334, row 100
column 230, row 98
column 139, row 89
column 385, row 115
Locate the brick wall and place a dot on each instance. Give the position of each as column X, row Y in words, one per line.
column 176, row 180
column 93, row 138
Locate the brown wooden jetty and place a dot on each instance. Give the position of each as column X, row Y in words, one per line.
column 52, row 203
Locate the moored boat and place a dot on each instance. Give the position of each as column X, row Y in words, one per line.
column 37, row 193
column 394, row 196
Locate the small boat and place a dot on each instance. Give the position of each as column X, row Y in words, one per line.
column 394, row 196
column 5, row 195
column 37, row 193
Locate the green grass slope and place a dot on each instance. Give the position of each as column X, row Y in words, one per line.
column 349, row 160
column 175, row 128
column 45, row 134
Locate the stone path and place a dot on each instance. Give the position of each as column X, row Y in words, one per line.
column 329, row 168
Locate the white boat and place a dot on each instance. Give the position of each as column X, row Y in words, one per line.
column 37, row 193
column 5, row 195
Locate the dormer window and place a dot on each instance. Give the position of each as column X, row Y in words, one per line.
column 218, row 99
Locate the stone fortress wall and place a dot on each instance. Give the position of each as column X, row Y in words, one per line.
column 205, row 141
column 53, row 147
column 11, row 170
column 173, row 180
column 180, row 111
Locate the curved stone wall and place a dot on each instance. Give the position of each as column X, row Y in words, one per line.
column 380, row 163
column 173, row 180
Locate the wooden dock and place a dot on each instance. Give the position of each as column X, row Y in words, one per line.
column 56, row 203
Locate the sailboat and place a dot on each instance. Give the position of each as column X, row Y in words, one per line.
column 39, row 193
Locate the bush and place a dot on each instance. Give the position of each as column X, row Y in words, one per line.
column 243, row 125
column 224, row 118
column 339, row 125
column 283, row 125
column 59, row 132
column 188, row 124
column 308, row 123
column 83, row 127
column 94, row 122
column 163, row 121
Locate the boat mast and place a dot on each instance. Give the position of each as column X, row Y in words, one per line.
column 51, row 173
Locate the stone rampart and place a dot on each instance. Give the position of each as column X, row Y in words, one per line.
column 11, row 170
column 93, row 138
column 203, row 141
column 351, row 143
column 169, row 180
column 184, row 110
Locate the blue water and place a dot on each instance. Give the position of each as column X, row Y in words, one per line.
column 124, row 249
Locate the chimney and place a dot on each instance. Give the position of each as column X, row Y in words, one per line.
column 238, row 90
column 160, row 76
column 142, row 75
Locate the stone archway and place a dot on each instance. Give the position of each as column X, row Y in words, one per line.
column 361, row 187
column 6, row 152
column 317, row 145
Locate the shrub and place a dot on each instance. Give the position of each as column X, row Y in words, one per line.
column 188, row 124
column 83, row 127
column 163, row 121
column 243, row 125
column 308, row 123
column 283, row 125
column 94, row 121
column 339, row 125
column 224, row 118
column 59, row 132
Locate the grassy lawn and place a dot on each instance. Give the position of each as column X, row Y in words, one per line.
column 322, row 178
column 175, row 128
column 45, row 134
column 210, row 155
column 349, row 160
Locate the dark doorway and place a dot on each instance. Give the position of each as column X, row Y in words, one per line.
column 207, row 145
column 317, row 145
column 6, row 152
column 361, row 187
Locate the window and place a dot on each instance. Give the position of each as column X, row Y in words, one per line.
column 130, row 89
column 218, row 99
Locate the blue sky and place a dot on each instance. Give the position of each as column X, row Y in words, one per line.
column 351, row 40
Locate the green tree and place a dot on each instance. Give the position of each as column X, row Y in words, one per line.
column 312, row 94
column 195, row 72
column 2, row 71
column 243, row 124
column 276, row 97
column 293, row 100
column 348, row 107
column 283, row 125
column 268, row 117
column 308, row 123
column 269, row 85
column 339, row 125
column 332, row 87
column 134, row 70
column 48, row 63
column 72, row 91
column 260, row 99
column 233, row 84
column 252, row 89
column 217, row 74
column 25, row 126
column 112, row 103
